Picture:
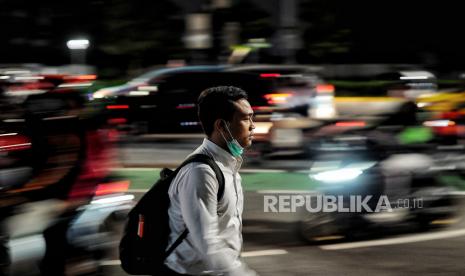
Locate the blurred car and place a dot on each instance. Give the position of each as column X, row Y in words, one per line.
column 296, row 85
column 279, row 95
column 383, row 93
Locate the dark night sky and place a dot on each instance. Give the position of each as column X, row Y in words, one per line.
column 378, row 31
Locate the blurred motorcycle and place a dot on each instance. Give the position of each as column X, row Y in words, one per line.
column 369, row 164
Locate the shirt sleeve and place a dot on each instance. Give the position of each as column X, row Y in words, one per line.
column 198, row 190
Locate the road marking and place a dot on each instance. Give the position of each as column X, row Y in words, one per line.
column 400, row 240
column 259, row 253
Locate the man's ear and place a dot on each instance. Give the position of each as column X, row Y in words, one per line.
column 219, row 125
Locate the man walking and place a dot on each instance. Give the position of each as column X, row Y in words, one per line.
column 214, row 242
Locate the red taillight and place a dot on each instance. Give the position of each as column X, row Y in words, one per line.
column 117, row 121
column 325, row 88
column 270, row 75
column 260, row 107
column 80, row 78
column 452, row 115
column 13, row 142
column 351, row 124
column 185, row 106
column 112, row 188
column 123, row 106
column 451, row 130
column 277, row 98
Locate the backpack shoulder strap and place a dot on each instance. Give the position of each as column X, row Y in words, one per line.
column 203, row 158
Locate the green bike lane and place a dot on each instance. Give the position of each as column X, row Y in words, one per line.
column 252, row 180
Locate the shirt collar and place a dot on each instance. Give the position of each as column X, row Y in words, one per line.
column 222, row 155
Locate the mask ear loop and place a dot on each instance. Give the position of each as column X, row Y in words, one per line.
column 223, row 136
column 227, row 129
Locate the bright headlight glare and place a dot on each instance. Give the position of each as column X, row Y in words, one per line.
column 335, row 176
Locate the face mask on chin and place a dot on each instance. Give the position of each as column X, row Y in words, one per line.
column 234, row 147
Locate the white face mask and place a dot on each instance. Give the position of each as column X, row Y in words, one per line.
column 234, row 147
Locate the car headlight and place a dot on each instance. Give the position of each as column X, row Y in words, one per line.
column 335, row 176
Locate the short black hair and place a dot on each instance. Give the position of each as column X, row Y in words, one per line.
column 218, row 103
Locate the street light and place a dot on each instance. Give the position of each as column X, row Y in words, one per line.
column 77, row 49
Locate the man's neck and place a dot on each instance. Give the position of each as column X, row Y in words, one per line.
column 219, row 141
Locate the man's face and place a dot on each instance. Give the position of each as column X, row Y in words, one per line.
column 242, row 125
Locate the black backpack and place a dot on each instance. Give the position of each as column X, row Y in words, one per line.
column 142, row 249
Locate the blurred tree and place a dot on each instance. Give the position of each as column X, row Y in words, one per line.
column 143, row 32
column 327, row 34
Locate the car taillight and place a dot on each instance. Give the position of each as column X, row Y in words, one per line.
column 277, row 98
column 80, row 78
column 117, row 121
column 351, row 124
column 123, row 106
column 451, row 130
column 13, row 142
column 452, row 115
column 325, row 88
column 112, row 188
column 270, row 75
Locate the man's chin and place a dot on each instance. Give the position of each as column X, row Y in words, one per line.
column 247, row 144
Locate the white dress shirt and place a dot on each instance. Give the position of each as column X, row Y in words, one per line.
column 214, row 242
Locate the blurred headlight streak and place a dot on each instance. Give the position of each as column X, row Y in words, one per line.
column 414, row 78
column 67, row 85
column 439, row 123
column 421, row 105
column 29, row 78
column 101, row 94
column 138, row 93
column 324, row 112
column 148, row 88
column 113, row 199
column 337, row 175
column 78, row 44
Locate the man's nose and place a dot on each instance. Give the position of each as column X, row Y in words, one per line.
column 252, row 125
